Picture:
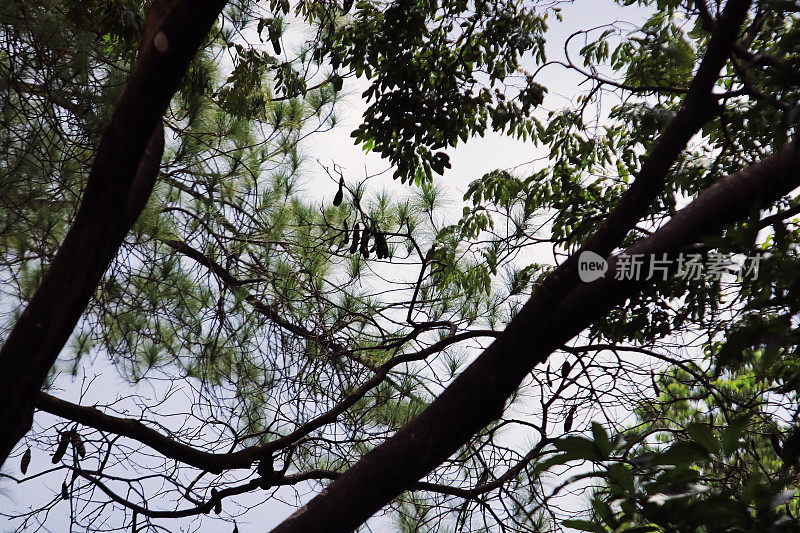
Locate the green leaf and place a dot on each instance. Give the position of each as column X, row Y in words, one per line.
column 730, row 439
column 579, row 448
column 704, row 436
column 782, row 498
column 584, row 525
column 560, row 459
column 737, row 341
column 601, row 439
column 623, row 476
column 682, row 453
column 604, row 512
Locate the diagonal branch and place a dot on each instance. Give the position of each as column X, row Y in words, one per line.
column 265, row 309
column 460, row 411
column 553, row 315
column 136, row 430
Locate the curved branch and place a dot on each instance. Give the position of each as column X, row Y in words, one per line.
column 244, row 458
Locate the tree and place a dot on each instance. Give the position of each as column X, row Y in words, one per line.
column 235, row 289
column 123, row 174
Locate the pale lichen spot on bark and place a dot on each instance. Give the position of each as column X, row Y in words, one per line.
column 161, row 42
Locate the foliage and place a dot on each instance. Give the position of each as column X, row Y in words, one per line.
column 306, row 333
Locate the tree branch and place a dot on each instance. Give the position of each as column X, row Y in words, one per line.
column 244, row 458
column 460, row 411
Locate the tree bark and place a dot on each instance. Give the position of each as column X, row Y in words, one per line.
column 478, row 395
column 559, row 309
column 120, row 181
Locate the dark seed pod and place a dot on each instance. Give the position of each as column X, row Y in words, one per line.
column 382, row 246
column 565, row 368
column 338, row 82
column 378, row 247
column 569, row 419
column 549, row 379
column 235, row 528
column 77, row 444
column 337, row 200
column 25, row 461
column 61, row 449
column 346, row 234
column 64, row 491
column 365, row 244
column 356, row 237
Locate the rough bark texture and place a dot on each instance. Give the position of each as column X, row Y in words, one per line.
column 119, row 184
column 557, row 311
column 461, row 411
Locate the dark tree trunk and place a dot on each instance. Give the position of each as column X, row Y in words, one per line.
column 120, row 181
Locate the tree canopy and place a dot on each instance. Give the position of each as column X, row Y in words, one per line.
column 385, row 351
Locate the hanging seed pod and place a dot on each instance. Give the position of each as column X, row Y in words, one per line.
column 337, row 82
column 235, row 528
column 374, row 247
column 64, row 491
column 346, row 234
column 275, row 35
column 25, row 461
column 655, row 383
column 356, row 237
column 77, row 444
column 61, row 449
column 378, row 246
column 337, row 200
column 776, row 444
column 549, row 378
column 565, row 370
column 383, row 246
column 569, row 419
column 365, row 244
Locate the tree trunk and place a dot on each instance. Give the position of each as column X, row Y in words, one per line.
column 120, row 181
